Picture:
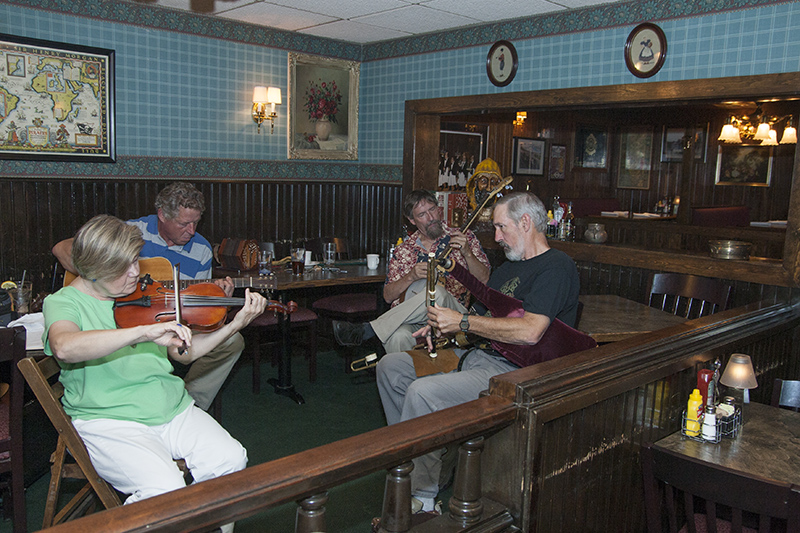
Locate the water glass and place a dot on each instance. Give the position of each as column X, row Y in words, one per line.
column 329, row 252
column 264, row 262
column 21, row 297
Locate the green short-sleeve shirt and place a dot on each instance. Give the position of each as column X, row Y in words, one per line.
column 133, row 383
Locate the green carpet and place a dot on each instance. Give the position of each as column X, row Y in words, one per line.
column 338, row 405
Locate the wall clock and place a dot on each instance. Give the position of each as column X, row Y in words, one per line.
column 501, row 63
column 645, row 50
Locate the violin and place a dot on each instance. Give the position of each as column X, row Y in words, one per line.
column 202, row 306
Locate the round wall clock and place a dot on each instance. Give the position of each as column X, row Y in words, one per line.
column 645, row 50
column 501, row 63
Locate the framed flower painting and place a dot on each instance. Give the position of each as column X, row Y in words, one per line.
column 323, row 107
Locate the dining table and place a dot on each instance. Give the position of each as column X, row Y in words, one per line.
column 767, row 445
column 610, row 318
column 281, row 284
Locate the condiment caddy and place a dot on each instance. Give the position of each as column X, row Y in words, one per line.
column 705, row 419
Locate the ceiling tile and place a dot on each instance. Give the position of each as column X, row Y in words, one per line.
column 345, row 30
column 416, row 19
column 276, row 16
column 342, row 9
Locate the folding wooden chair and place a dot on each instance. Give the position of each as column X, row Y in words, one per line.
column 38, row 374
column 12, row 350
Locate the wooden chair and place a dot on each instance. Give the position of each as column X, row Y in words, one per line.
column 687, row 295
column 786, row 394
column 12, row 350
column 69, row 447
column 685, row 482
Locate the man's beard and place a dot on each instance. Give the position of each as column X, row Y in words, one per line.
column 434, row 230
column 511, row 254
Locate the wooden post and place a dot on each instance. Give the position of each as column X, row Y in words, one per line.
column 311, row 514
column 396, row 514
column 466, row 506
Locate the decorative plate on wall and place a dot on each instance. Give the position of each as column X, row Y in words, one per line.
column 645, row 50
column 501, row 63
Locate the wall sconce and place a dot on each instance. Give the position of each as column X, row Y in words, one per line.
column 521, row 116
column 261, row 97
column 758, row 127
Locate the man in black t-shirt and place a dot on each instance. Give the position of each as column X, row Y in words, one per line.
column 544, row 279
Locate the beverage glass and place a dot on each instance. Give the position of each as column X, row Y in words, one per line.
column 372, row 261
column 329, row 252
column 21, row 297
column 298, row 260
column 264, row 262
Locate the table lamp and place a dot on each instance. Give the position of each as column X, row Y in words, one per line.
column 739, row 375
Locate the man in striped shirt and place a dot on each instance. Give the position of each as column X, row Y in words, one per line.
column 171, row 233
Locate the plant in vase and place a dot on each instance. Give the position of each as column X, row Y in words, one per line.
column 322, row 103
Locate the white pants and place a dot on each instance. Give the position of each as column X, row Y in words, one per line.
column 139, row 460
column 395, row 326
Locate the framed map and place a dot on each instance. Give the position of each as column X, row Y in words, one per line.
column 56, row 101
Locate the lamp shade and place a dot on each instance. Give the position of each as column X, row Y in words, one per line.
column 260, row 95
column 730, row 134
column 274, row 95
column 789, row 135
column 739, row 373
column 772, row 140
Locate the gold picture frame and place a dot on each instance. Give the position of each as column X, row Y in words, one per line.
column 338, row 80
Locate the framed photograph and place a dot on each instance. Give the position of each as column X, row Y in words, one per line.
column 529, row 156
column 645, row 50
column 323, row 107
column 591, row 147
column 672, row 145
column 700, row 142
column 557, row 166
column 740, row 164
column 459, row 154
column 57, row 101
column 635, row 158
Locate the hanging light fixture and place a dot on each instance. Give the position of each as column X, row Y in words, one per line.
column 757, row 127
column 521, row 116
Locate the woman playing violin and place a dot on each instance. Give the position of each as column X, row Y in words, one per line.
column 133, row 414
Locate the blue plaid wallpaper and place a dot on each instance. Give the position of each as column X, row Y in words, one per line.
column 184, row 83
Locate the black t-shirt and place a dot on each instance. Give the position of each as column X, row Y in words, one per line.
column 547, row 285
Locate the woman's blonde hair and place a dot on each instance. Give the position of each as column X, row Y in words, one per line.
column 105, row 247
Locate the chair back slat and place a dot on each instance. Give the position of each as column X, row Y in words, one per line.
column 687, row 295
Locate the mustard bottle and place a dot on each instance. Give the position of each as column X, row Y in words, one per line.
column 693, row 414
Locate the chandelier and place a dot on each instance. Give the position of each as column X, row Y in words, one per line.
column 758, row 126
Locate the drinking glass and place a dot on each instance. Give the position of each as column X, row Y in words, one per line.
column 298, row 260
column 21, row 297
column 264, row 262
column 329, row 252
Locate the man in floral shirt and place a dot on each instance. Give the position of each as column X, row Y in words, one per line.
column 405, row 280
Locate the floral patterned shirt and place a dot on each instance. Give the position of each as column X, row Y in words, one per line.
column 411, row 252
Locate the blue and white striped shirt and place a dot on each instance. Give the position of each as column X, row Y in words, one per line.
column 194, row 256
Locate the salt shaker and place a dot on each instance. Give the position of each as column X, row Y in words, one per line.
column 710, row 423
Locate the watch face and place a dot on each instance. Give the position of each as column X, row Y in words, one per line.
column 501, row 63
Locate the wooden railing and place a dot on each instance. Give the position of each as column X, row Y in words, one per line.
column 563, row 436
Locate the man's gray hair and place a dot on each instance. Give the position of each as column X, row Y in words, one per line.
column 521, row 203
column 177, row 195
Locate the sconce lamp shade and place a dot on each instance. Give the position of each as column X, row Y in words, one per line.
column 260, row 95
column 739, row 372
column 730, row 133
column 789, row 135
column 771, row 140
column 762, row 133
column 273, row 95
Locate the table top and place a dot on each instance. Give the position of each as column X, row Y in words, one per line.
column 610, row 318
column 768, row 445
column 349, row 273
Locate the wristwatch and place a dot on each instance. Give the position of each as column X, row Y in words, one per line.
column 465, row 323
